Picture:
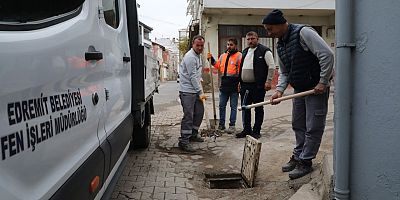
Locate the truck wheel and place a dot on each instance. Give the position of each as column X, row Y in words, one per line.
column 141, row 135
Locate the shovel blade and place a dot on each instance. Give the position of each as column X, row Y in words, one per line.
column 213, row 123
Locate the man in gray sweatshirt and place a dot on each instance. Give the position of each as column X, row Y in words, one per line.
column 306, row 62
column 191, row 95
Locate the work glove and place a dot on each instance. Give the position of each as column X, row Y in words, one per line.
column 202, row 97
column 210, row 58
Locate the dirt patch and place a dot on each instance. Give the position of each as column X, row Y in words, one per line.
column 225, row 156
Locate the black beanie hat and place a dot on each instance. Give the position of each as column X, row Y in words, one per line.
column 274, row 17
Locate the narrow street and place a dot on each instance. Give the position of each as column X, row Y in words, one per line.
column 162, row 171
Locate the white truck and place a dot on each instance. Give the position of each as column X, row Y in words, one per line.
column 76, row 92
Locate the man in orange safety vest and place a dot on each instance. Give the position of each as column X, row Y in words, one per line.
column 228, row 65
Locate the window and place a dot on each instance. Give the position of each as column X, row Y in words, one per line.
column 238, row 32
column 25, row 15
column 111, row 15
column 146, row 35
column 318, row 29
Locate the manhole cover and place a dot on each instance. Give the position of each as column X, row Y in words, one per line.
column 224, row 181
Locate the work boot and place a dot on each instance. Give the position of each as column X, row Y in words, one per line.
column 186, row 147
column 231, row 130
column 196, row 138
column 256, row 134
column 243, row 134
column 302, row 168
column 289, row 166
column 221, row 127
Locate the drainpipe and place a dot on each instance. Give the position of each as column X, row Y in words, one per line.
column 343, row 98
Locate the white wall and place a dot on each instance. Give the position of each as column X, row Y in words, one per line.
column 209, row 26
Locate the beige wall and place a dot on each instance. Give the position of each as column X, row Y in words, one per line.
column 209, row 26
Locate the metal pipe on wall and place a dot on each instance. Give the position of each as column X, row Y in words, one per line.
column 343, row 99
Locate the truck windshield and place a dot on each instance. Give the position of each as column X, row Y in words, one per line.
column 21, row 11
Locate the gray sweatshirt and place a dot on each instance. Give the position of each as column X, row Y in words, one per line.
column 190, row 73
column 311, row 41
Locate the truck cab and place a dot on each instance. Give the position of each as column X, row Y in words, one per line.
column 76, row 94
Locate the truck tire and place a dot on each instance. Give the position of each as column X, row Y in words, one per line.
column 141, row 135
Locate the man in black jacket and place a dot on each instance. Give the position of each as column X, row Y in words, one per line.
column 256, row 72
column 306, row 62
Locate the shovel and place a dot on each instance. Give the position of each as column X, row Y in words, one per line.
column 214, row 121
column 208, row 121
column 301, row 94
column 210, row 124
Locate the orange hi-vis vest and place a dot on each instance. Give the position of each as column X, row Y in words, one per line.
column 233, row 64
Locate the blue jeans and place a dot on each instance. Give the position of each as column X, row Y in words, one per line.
column 223, row 100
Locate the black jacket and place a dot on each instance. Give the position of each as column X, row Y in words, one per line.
column 303, row 66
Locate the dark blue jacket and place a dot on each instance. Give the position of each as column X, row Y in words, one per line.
column 303, row 66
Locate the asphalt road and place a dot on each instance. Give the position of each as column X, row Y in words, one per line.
column 168, row 95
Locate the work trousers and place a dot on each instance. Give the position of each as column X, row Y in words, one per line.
column 308, row 123
column 255, row 95
column 193, row 111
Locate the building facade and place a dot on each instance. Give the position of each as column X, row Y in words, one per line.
column 170, row 57
column 218, row 20
column 158, row 50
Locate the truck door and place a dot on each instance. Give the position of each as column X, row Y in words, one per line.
column 117, row 82
column 50, row 101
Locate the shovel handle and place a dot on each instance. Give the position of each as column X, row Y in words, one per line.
column 301, row 94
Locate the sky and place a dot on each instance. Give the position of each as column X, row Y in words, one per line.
column 166, row 17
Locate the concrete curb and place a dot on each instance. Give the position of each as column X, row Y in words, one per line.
column 320, row 187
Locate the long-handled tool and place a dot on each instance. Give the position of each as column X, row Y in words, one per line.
column 301, row 94
column 214, row 122
column 210, row 132
column 205, row 108
column 206, row 113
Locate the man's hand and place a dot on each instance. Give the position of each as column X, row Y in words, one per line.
column 209, row 56
column 277, row 94
column 320, row 88
column 267, row 86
